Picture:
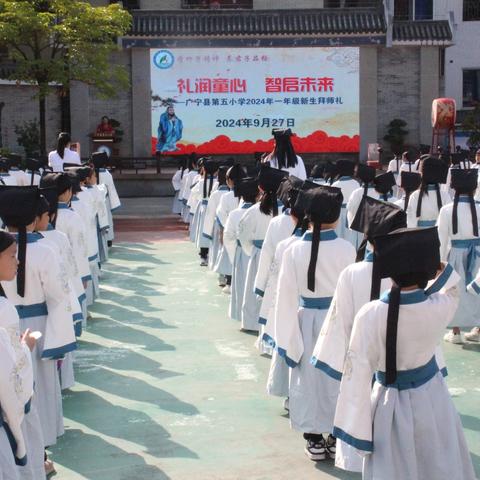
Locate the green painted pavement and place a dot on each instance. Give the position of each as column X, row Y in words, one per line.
column 168, row 388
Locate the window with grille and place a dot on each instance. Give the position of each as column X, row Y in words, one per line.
column 471, row 87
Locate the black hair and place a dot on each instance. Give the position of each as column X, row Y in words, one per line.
column 251, row 198
column 284, row 152
column 62, row 142
column 473, row 211
column 222, row 176
column 424, row 191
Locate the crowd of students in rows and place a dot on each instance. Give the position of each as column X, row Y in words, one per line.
column 56, row 230
column 350, row 275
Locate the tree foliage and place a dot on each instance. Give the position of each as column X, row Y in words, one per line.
column 55, row 42
column 396, row 135
column 471, row 125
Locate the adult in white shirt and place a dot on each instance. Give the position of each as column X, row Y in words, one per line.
column 284, row 157
column 62, row 154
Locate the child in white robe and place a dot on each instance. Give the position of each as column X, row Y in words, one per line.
column 460, row 245
column 177, row 184
column 425, row 203
column 405, row 426
column 41, row 296
column 198, row 201
column 317, row 174
column 68, row 222
column 58, row 241
column 252, row 229
column 407, row 162
column 190, row 180
column 23, row 422
column 105, row 181
column 306, row 284
column 211, row 227
column 21, row 178
column 409, row 182
column 348, row 184
column 245, row 189
column 228, row 202
column 356, row 286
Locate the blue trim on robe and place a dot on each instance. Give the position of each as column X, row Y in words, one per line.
column 345, row 178
column 471, row 245
column 63, row 206
column 298, row 232
column 205, row 201
column 444, row 372
column 368, row 256
column 223, row 188
column 32, row 237
column 440, row 282
column 426, row 223
column 28, row 405
column 34, row 310
column 408, row 379
column 466, row 243
column 325, row 235
column 259, row 292
column 56, row 353
column 318, row 303
column 86, row 278
column 464, row 199
column 219, row 223
column 262, row 321
column 93, row 258
column 246, row 205
column 475, row 287
column 363, row 445
column 331, row 372
column 407, row 298
column 206, row 235
column 268, row 340
column 116, row 208
column 283, row 353
column 258, row 244
column 82, row 298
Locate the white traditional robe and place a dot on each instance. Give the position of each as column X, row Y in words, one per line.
column 277, row 382
column 252, row 229
column 298, row 170
column 36, row 178
column 198, row 204
column 177, row 184
column 211, row 228
column 105, row 180
column 409, row 429
column 20, row 176
column 299, row 316
column 98, row 195
column 22, row 379
column 46, row 308
column 348, row 185
column 7, row 179
column 238, row 258
column 430, row 211
column 462, row 251
column 190, row 180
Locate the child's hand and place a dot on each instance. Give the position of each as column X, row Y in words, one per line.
column 29, row 339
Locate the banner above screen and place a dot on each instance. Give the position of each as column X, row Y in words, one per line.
column 227, row 101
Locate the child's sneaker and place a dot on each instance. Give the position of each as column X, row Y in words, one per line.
column 316, row 450
column 204, row 262
column 331, row 446
column 473, row 335
column 455, row 338
column 227, row 289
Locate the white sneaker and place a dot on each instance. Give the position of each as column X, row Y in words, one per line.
column 473, row 335
column 204, row 263
column 455, row 338
column 316, row 450
column 227, row 289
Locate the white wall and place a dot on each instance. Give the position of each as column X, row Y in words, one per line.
column 463, row 55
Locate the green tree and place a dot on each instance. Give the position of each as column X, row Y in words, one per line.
column 55, row 42
column 396, row 134
column 471, row 125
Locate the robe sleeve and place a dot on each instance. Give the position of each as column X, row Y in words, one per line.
column 474, row 286
column 102, row 213
column 194, row 197
column 443, row 225
column 59, row 333
column 112, row 191
column 332, row 343
column 353, row 204
column 412, row 219
column 209, row 221
column 13, row 407
column 176, row 180
column 267, row 310
column 353, row 422
column 246, row 230
column 230, row 239
column 288, row 335
column 266, row 258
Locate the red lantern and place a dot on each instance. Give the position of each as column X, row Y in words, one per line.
column 444, row 112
